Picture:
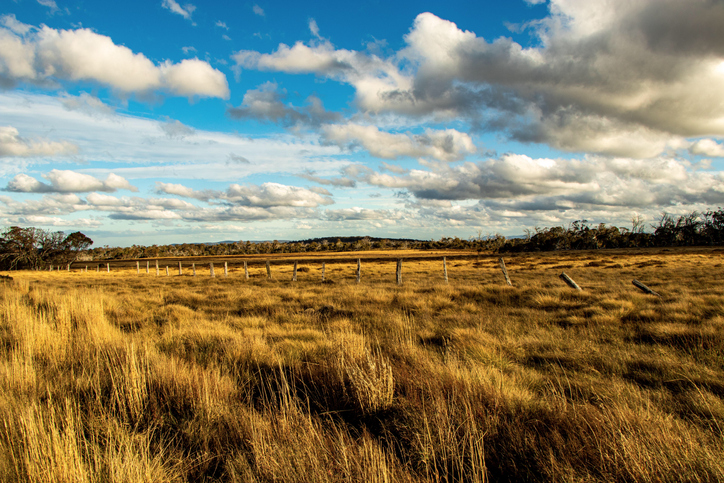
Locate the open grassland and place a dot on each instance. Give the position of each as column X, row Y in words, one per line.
column 129, row 378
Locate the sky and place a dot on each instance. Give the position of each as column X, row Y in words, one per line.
column 157, row 121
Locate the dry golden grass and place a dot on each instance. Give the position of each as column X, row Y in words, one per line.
column 125, row 377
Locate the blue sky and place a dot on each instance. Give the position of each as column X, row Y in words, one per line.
column 147, row 122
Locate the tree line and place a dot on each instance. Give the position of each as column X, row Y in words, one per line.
column 37, row 249
column 34, row 248
column 693, row 229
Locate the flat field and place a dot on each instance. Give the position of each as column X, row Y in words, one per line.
column 125, row 377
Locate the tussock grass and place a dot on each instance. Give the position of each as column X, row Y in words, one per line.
column 126, row 377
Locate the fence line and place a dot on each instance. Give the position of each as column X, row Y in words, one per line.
column 358, row 271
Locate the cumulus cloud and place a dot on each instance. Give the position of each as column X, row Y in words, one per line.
column 181, row 190
column 357, row 213
column 707, row 147
column 604, row 76
column 63, row 181
column 12, row 144
column 445, row 145
column 258, row 10
column 266, row 103
column 274, row 194
column 46, row 54
column 341, row 181
column 266, row 195
column 561, row 184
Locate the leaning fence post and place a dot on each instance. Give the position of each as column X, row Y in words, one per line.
column 359, row 269
column 323, row 268
column 569, row 281
column 246, row 271
column 157, row 268
column 211, row 268
column 193, row 267
column 138, row 267
column 398, row 272
column 294, row 274
column 226, row 269
column 644, row 288
column 505, row 272
column 268, row 270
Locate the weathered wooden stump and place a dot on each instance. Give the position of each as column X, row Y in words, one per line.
column 505, row 272
column 569, row 281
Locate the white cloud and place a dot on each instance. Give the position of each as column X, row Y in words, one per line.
column 11, row 144
column 314, row 28
column 274, row 195
column 63, row 181
column 258, row 10
column 707, row 147
column 175, row 129
column 184, row 11
column 137, row 148
column 83, row 55
column 50, row 4
column 181, row 190
column 267, row 195
column 88, row 104
column 605, row 76
column 357, row 213
column 447, row 145
column 221, row 24
column 11, row 23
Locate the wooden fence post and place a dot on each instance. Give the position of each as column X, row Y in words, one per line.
column 148, row 266
column 180, row 270
column 157, row 268
column 98, row 268
column 359, row 270
column 69, row 267
column 138, row 267
column 108, row 267
column 569, row 281
column 211, row 268
column 50, row 267
column 398, row 272
column 444, row 268
column 294, row 274
column 644, row 288
column 505, row 272
column 246, row 271
column 323, row 268
column 268, row 270
column 226, row 269
column 167, row 270
column 193, row 267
